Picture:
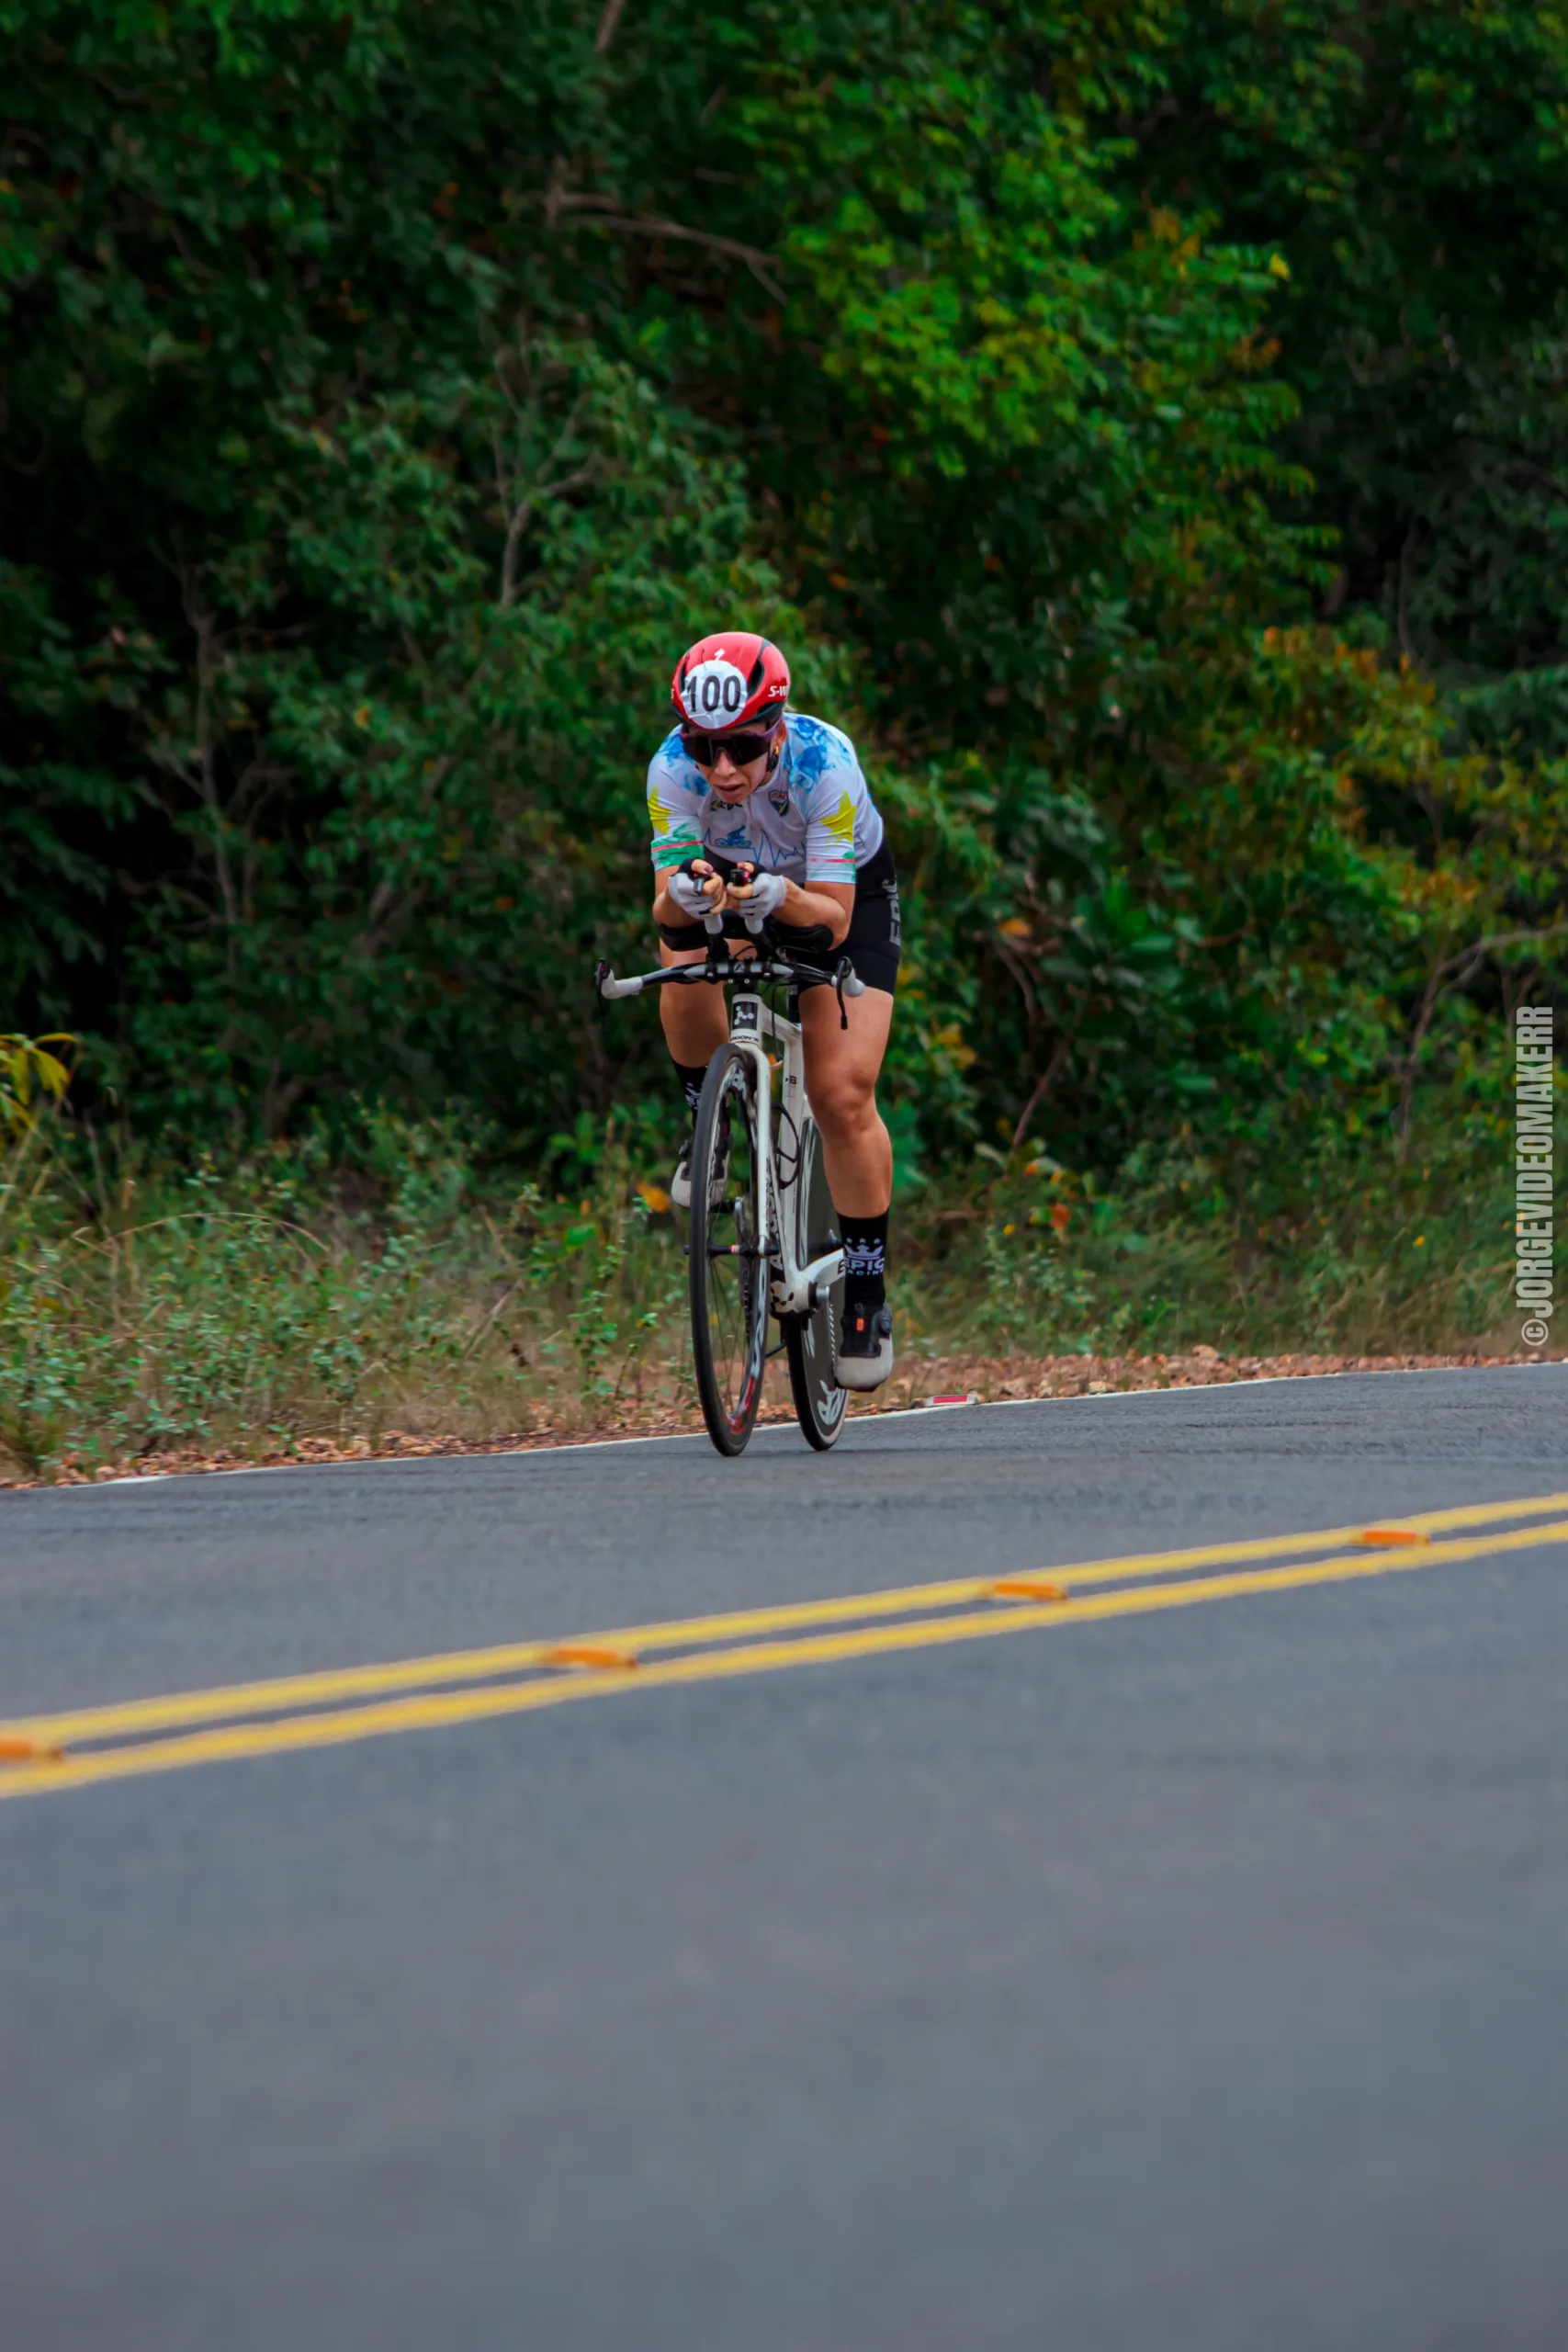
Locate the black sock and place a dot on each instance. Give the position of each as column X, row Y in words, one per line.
column 865, row 1259
column 691, row 1074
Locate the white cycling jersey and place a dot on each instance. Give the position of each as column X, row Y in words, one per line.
column 813, row 821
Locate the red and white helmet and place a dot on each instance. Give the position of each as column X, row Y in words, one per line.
column 728, row 681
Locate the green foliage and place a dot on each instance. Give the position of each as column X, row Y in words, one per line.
column 352, row 1287
column 248, row 1307
column 406, row 835
column 31, row 1079
column 1126, row 417
column 1410, row 161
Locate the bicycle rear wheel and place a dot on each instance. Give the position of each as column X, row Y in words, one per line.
column 730, row 1279
column 811, row 1341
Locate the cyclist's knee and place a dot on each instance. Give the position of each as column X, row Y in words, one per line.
column 845, row 1106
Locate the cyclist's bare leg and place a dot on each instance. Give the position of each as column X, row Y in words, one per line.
column 697, row 1021
column 842, row 1067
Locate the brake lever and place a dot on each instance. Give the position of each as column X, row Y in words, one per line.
column 847, row 981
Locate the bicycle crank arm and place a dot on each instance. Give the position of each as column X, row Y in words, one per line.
column 799, row 1297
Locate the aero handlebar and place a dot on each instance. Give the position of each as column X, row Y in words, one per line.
column 749, row 971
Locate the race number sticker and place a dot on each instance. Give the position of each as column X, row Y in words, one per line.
column 714, row 693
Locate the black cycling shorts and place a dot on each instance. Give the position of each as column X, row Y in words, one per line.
column 874, row 936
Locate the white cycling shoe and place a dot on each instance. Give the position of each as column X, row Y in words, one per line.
column 680, row 1182
column 865, row 1346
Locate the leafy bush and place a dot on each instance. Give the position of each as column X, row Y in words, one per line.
column 240, row 1309
column 253, row 1307
column 1119, row 414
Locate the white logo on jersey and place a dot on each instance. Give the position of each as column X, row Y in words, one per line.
column 714, row 693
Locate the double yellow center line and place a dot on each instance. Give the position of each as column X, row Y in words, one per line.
column 41, row 1753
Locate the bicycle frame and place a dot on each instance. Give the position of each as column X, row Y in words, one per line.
column 751, row 1022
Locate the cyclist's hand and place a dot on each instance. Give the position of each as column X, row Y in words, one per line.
column 762, row 896
column 696, row 889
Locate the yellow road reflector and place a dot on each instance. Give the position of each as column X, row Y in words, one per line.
column 30, row 1751
column 46, row 1753
column 445, row 1709
column 596, row 1655
column 172, row 1711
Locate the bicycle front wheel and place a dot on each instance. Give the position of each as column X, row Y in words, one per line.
column 729, row 1276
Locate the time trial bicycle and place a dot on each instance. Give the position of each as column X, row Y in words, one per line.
column 764, row 1234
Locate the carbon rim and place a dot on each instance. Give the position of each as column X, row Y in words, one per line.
column 812, row 1340
column 729, row 1281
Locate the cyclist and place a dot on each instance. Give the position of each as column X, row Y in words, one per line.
column 759, row 809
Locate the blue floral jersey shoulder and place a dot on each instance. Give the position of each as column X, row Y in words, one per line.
column 813, row 821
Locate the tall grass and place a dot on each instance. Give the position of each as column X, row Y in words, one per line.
column 1370, row 1256
column 244, row 1308
column 410, row 1283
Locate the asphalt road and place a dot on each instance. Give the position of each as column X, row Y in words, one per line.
column 1195, row 1976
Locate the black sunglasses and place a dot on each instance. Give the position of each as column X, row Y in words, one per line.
column 742, row 749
